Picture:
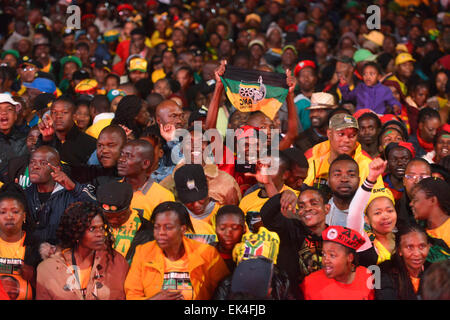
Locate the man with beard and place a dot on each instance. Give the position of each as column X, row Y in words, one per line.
column 369, row 128
column 398, row 155
column 321, row 105
column 343, row 182
column 134, row 166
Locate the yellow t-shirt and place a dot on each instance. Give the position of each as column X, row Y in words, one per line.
column 85, row 275
column 441, row 232
column 11, row 259
column 204, row 229
column 176, row 277
column 149, row 196
column 124, row 235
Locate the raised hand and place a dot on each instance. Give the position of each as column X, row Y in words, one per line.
column 128, row 132
column 46, row 127
column 290, row 81
column 220, row 71
column 288, row 202
column 376, row 168
column 60, row 177
column 261, row 175
column 167, row 131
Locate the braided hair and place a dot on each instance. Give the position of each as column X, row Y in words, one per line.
column 127, row 110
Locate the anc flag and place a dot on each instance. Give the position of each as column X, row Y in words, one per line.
column 253, row 90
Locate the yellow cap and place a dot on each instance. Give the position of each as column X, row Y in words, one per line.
column 376, row 37
column 403, row 57
column 401, row 47
column 86, row 86
column 379, row 193
column 138, row 64
column 262, row 244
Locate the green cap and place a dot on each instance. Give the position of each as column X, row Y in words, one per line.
column 290, row 46
column 363, row 55
column 15, row 53
column 342, row 121
column 66, row 59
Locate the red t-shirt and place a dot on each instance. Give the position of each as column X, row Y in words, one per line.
column 317, row 286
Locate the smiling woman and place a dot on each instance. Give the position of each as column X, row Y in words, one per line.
column 85, row 266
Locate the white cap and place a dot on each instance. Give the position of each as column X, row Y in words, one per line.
column 7, row 98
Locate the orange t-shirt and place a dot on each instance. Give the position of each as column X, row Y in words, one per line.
column 177, row 277
column 317, row 286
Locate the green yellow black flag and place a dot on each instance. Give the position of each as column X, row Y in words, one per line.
column 253, row 90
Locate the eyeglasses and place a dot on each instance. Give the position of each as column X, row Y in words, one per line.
column 25, row 68
column 415, row 177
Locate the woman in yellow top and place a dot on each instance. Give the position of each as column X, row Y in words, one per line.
column 174, row 267
column 15, row 276
column 85, row 266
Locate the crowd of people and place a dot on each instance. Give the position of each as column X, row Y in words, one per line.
column 101, row 198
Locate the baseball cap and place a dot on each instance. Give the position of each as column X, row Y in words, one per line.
column 111, row 35
column 256, row 41
column 80, row 75
column 87, row 86
column 42, row 84
column 102, row 64
column 401, row 47
column 66, row 59
column 303, row 64
column 344, row 236
column 376, row 37
column 15, row 53
column 403, row 57
column 68, row 32
column 322, row 100
column 253, row 277
column 379, row 193
column 252, row 16
column 114, row 196
column 27, row 60
column 43, row 100
column 138, row 64
column 342, row 121
column 7, row 98
column 290, row 46
column 363, row 55
column 114, row 93
column 191, row 183
column 197, row 115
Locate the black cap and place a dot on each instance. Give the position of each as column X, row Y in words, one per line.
column 190, row 183
column 101, row 64
column 295, row 155
column 197, row 115
column 28, row 60
column 80, row 75
column 68, row 32
column 43, row 101
column 140, row 31
column 252, row 277
column 114, row 196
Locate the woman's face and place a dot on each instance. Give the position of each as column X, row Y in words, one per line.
column 94, row 236
column 391, row 136
column 143, row 117
column 12, row 216
column 395, row 92
column 336, row 262
column 229, row 230
column 382, row 215
column 442, row 146
column 82, row 117
column 421, row 205
column 168, row 230
column 414, row 249
column 115, row 103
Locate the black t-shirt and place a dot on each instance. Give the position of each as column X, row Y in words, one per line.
column 44, row 196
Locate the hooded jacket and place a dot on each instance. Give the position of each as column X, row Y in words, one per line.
column 55, row 278
column 146, row 275
column 12, row 145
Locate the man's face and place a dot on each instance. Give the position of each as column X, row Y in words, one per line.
column 171, row 114
column 307, row 79
column 344, row 70
column 420, row 95
column 32, row 139
column 117, row 219
column 397, row 161
column 137, row 75
column 138, row 41
column 42, row 51
column 69, row 69
column 130, row 162
column 27, row 72
column 100, row 75
column 168, row 60
column 178, row 38
column 428, row 129
column 415, row 171
column 295, row 177
column 288, row 58
column 111, row 83
column 8, row 116
column 368, row 131
column 343, row 141
column 198, row 207
column 69, row 41
column 62, row 116
column 406, row 69
column 312, row 209
column 38, row 166
column 344, row 179
column 109, row 145
column 318, row 117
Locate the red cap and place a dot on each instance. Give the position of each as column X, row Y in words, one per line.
column 88, row 16
column 247, row 131
column 303, row 64
column 151, row 3
column 388, row 117
column 125, row 6
column 445, row 127
column 360, row 112
column 291, row 28
column 344, row 236
column 408, row 146
column 445, row 61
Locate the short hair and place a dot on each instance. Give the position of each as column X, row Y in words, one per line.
column 114, row 128
column 417, row 159
column 427, row 113
column 147, row 148
column 343, row 157
column 178, row 208
column 112, row 75
column 230, row 209
column 370, row 115
column 66, row 100
column 80, row 45
column 373, row 65
column 186, row 68
column 321, row 193
column 437, row 168
column 14, row 191
column 436, row 281
column 100, row 103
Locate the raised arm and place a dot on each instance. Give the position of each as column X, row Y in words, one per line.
column 213, row 108
column 292, row 132
column 355, row 218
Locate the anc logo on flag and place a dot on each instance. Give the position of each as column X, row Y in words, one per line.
column 254, row 90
